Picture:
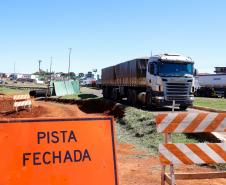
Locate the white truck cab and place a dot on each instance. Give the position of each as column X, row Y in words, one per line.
column 170, row 77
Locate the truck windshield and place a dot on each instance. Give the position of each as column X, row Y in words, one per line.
column 175, row 69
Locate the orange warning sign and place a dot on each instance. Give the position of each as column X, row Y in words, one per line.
column 57, row 152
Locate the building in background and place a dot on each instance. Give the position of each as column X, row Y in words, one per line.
column 220, row 70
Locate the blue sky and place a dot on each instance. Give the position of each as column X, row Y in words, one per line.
column 103, row 33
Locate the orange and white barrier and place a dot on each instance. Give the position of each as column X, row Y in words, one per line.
column 201, row 153
column 23, row 101
column 191, row 122
column 192, row 153
column 21, row 97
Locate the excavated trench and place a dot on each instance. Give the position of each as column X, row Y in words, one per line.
column 90, row 106
column 95, row 105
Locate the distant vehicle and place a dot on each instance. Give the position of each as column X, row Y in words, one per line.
column 212, row 85
column 98, row 83
column 1, row 82
column 154, row 81
column 88, row 82
column 39, row 81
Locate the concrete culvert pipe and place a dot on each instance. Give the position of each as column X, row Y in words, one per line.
column 38, row 93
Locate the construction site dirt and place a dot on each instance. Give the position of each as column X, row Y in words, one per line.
column 134, row 165
column 6, row 104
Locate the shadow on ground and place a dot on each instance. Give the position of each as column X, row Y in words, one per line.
column 86, row 96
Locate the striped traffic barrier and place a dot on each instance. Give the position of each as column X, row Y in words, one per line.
column 192, row 153
column 201, row 153
column 23, row 101
column 191, row 122
column 21, row 97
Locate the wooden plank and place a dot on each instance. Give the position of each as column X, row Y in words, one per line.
column 168, row 179
column 191, row 122
column 209, row 175
column 198, row 153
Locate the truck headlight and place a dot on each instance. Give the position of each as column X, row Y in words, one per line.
column 191, row 98
column 159, row 98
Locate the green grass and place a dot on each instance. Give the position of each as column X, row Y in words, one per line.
column 215, row 103
column 141, row 126
column 9, row 91
column 138, row 128
column 70, row 97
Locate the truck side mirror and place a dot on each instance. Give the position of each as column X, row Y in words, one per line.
column 195, row 73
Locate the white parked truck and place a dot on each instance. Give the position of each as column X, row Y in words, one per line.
column 154, row 81
column 211, row 85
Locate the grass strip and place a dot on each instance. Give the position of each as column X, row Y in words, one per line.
column 215, row 103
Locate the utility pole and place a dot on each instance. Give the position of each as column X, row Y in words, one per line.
column 14, row 67
column 69, row 63
column 50, row 68
column 39, row 66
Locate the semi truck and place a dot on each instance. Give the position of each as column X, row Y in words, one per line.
column 154, row 81
column 210, row 85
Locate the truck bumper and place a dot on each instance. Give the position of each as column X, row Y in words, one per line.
column 160, row 101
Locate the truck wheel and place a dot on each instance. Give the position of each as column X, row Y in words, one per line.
column 114, row 95
column 134, row 97
column 183, row 107
column 148, row 101
column 129, row 97
column 105, row 93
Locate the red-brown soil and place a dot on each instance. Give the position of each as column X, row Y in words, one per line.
column 6, row 104
column 134, row 167
column 138, row 168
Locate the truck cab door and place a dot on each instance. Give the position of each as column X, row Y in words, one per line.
column 151, row 75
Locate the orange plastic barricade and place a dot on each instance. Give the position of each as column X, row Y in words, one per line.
column 191, row 153
column 58, row 152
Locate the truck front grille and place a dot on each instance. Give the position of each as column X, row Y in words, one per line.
column 177, row 91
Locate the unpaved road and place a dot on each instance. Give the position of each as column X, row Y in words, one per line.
column 87, row 90
column 135, row 167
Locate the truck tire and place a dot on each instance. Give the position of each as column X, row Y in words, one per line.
column 106, row 93
column 148, row 101
column 129, row 97
column 114, row 94
column 134, row 97
column 183, row 107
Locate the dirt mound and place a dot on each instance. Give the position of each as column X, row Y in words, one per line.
column 6, row 104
